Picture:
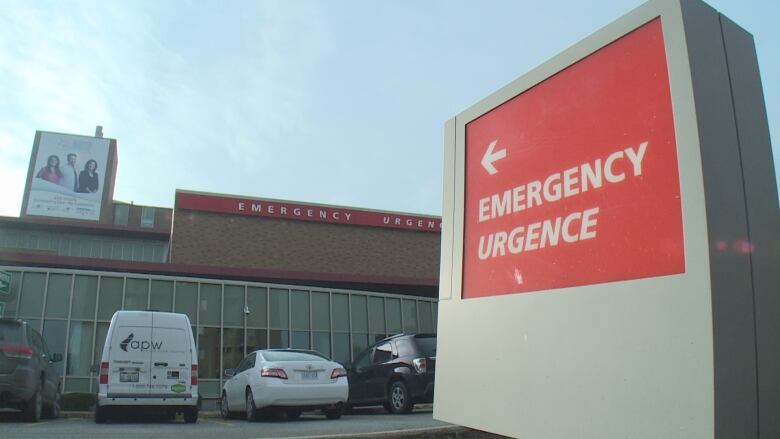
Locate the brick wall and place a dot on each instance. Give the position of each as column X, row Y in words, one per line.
column 279, row 244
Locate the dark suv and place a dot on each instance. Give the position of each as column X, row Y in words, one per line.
column 28, row 379
column 396, row 372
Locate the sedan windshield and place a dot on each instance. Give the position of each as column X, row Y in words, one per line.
column 292, row 356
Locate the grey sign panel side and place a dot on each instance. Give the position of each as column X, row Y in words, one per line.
column 741, row 215
column 447, row 232
column 763, row 239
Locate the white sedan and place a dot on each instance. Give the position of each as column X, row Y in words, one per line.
column 290, row 380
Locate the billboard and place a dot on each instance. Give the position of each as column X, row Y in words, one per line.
column 68, row 176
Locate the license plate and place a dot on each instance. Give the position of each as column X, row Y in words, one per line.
column 309, row 375
column 128, row 376
column 173, row 374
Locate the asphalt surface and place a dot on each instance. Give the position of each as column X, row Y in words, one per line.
column 360, row 422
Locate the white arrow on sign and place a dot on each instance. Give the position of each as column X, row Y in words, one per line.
column 490, row 157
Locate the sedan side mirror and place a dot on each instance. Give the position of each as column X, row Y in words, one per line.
column 55, row 358
column 229, row 373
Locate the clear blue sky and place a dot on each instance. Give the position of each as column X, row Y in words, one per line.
column 335, row 102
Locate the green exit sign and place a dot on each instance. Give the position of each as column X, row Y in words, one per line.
column 5, row 282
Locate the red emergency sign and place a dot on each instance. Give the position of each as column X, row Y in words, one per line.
column 575, row 181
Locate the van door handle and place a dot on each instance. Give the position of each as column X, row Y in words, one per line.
column 161, row 364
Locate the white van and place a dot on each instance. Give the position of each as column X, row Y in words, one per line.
column 149, row 360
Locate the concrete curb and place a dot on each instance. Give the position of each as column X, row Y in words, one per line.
column 207, row 414
column 446, row 432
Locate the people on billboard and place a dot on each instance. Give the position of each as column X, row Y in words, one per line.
column 69, row 178
column 88, row 178
column 51, row 172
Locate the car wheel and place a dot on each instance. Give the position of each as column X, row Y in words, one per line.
column 34, row 407
column 251, row 410
column 53, row 410
column 293, row 414
column 191, row 415
column 398, row 398
column 333, row 413
column 223, row 407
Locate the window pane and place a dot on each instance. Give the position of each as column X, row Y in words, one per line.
column 13, row 295
column 393, row 316
column 340, row 312
column 410, row 316
column 147, row 217
column 54, row 335
column 137, row 294
column 255, row 339
column 84, row 295
column 58, row 296
column 359, row 314
column 137, row 251
column 77, row 385
column 376, row 315
column 256, row 299
column 359, row 342
column 187, row 299
column 120, row 214
column 105, row 249
column 279, row 309
column 279, row 339
column 233, row 314
column 322, row 343
column 232, row 346
column 110, row 299
column 426, row 321
column 210, row 304
column 80, row 348
column 300, row 340
column 300, row 310
column 31, row 298
column 100, row 340
column 161, row 298
column 209, row 388
column 435, row 315
column 208, row 345
column 341, row 349
column 320, row 311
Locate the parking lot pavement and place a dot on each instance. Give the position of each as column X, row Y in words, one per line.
column 359, row 423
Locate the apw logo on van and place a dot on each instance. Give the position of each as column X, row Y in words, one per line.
column 139, row 345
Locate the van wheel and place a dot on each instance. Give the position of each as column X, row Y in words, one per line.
column 100, row 415
column 34, row 407
column 191, row 415
column 251, row 410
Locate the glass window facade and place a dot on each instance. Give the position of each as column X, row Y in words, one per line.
column 87, row 246
column 73, row 308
